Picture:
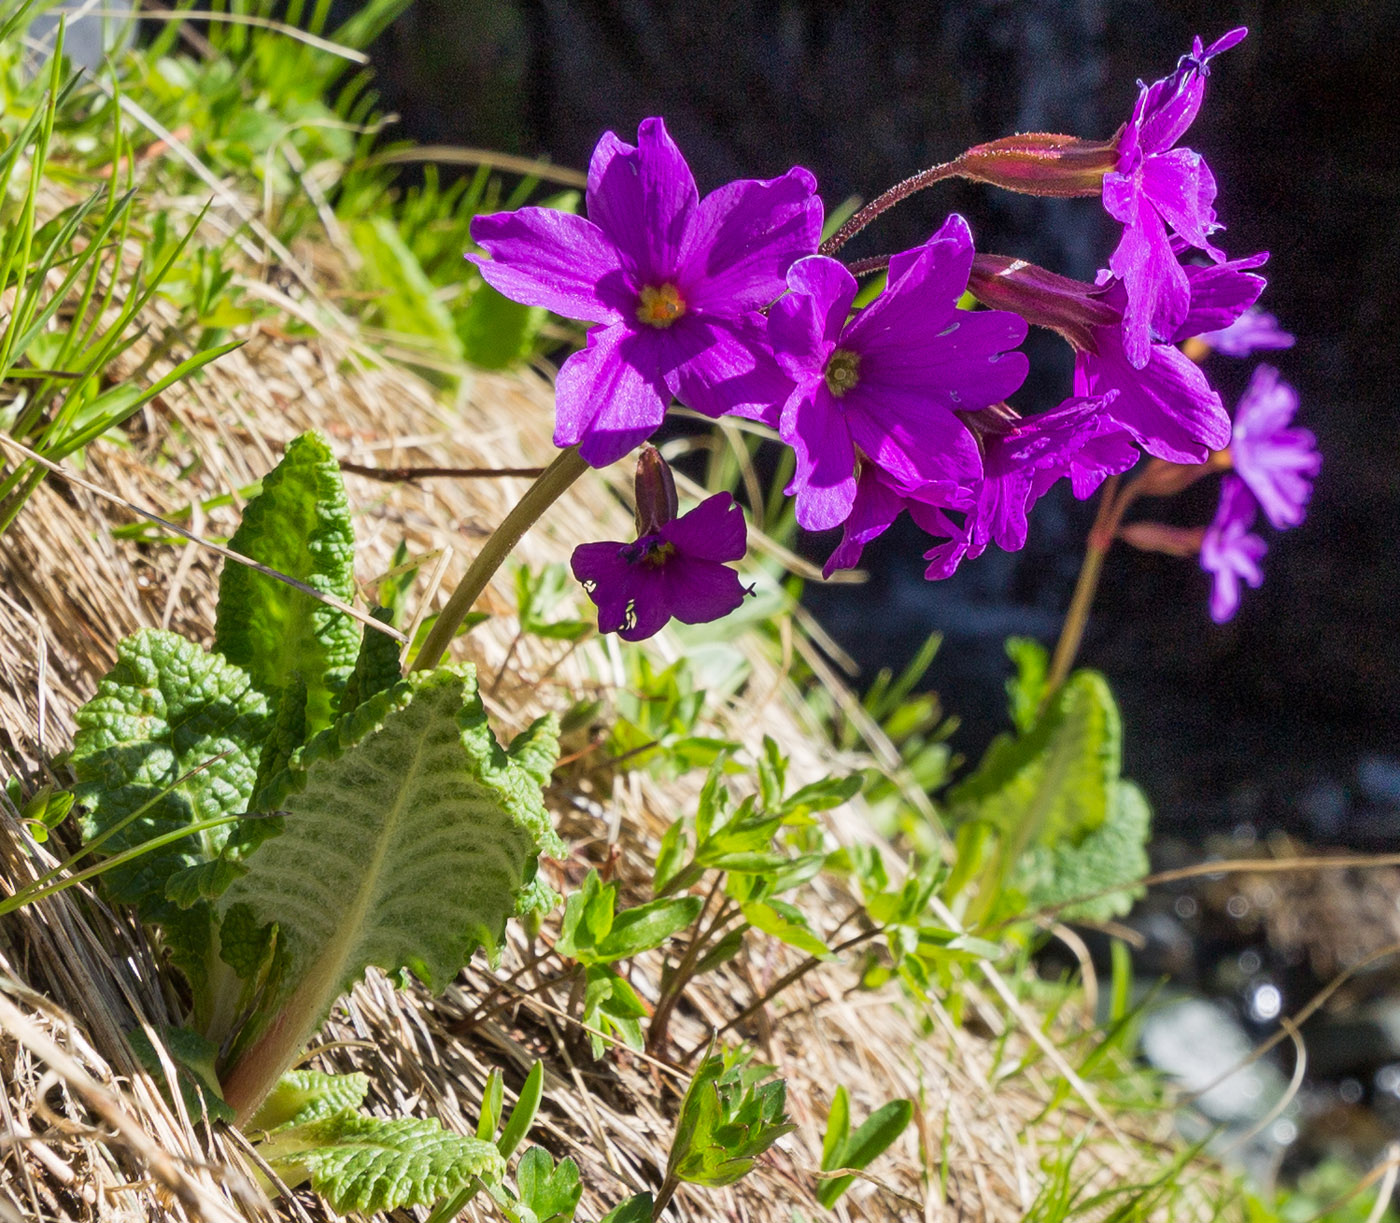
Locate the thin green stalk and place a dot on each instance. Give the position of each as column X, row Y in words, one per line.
column 543, row 493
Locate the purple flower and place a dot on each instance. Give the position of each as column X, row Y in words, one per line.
column 1157, row 185
column 1253, row 330
column 888, row 384
column 1230, row 551
column 1276, row 462
column 677, row 570
column 1077, row 439
column 673, row 281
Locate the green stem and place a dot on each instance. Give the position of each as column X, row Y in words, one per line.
column 1101, row 537
column 543, row 493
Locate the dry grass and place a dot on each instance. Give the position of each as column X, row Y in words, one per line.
column 85, row 1134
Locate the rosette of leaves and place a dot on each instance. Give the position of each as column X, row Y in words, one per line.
column 291, row 810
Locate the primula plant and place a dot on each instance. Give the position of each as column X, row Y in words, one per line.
column 290, row 809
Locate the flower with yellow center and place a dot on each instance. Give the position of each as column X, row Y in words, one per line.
column 660, row 306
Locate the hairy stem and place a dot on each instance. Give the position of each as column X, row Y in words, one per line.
column 883, row 203
column 670, row 996
column 543, row 493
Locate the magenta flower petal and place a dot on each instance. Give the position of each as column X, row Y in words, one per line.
column 1220, row 294
column 1249, row 333
column 824, row 483
column 643, row 199
column 702, row 591
column 892, row 381
column 606, row 399
column 874, row 511
column 713, row 531
column 675, row 280
column 904, row 432
column 744, row 238
column 1230, row 552
column 1158, row 293
column 734, row 372
column 674, row 571
column 552, row 259
column 1276, row 462
column 1168, row 405
column 1182, row 189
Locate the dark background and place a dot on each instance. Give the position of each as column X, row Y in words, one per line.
column 1285, row 718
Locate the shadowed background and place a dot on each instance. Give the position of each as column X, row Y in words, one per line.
column 1285, row 718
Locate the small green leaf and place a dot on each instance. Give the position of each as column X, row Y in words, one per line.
column 722, row 952
column 376, row 667
column 304, row 1095
column 1026, row 689
column 670, row 857
column 787, row 924
column 492, row 1098
column 822, row 795
column 522, row 1116
column 173, row 730
column 647, row 926
column 551, row 1192
column 838, row 1126
column 299, row 524
column 368, row 1164
column 860, row 1149
column 636, row 1209
column 193, row 1059
column 46, row 809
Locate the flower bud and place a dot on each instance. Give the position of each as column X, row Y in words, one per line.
column 656, row 492
column 1071, row 307
column 1042, row 163
column 1159, row 537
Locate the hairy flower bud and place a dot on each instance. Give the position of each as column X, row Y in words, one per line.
column 1047, row 299
column 656, row 492
column 1042, row 163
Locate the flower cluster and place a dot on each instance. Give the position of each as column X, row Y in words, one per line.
column 727, row 305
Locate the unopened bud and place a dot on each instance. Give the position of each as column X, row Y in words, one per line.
column 1073, row 308
column 656, row 492
column 1159, row 537
column 1042, row 163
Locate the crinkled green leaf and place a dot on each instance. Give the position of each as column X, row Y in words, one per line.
column 302, row 1096
column 1054, row 783
column 551, row 1192
column 409, row 833
column 1112, row 856
column 728, row 1118
column 377, row 667
column 299, row 525
column 167, row 708
column 368, row 1164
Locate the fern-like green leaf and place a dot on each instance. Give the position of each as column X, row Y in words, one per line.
column 299, row 525
column 368, row 1164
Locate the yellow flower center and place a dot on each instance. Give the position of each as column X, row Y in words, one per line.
column 658, row 554
column 660, row 306
column 842, row 371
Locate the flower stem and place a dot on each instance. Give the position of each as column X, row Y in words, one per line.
column 1101, row 537
column 882, row 203
column 543, row 493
